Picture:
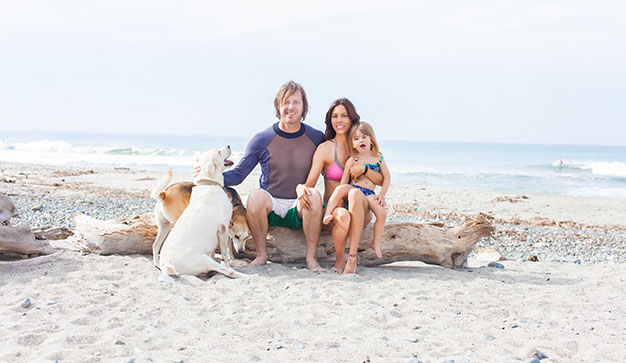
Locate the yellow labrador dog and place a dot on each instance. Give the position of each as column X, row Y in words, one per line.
column 190, row 244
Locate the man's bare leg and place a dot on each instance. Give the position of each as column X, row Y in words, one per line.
column 258, row 207
column 341, row 227
column 312, row 226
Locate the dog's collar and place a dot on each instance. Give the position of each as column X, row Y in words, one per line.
column 208, row 182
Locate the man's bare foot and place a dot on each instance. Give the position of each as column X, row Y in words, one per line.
column 327, row 219
column 259, row 261
column 314, row 266
column 377, row 251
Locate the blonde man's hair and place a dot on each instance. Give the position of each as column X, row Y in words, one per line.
column 285, row 91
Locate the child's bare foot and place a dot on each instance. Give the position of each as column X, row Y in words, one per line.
column 327, row 219
column 377, row 251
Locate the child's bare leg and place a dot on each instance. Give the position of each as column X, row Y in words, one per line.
column 341, row 192
column 379, row 225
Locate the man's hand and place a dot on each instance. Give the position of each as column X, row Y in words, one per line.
column 303, row 193
column 357, row 170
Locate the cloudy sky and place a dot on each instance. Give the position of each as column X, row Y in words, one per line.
column 480, row 71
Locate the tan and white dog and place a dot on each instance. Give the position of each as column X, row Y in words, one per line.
column 202, row 225
column 172, row 201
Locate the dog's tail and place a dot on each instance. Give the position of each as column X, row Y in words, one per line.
column 161, row 185
column 170, row 270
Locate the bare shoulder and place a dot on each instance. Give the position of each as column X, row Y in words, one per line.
column 325, row 148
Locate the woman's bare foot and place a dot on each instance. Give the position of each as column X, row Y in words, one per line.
column 339, row 264
column 377, row 251
column 327, row 219
column 351, row 264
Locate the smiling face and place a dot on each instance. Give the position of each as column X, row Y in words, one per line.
column 361, row 142
column 291, row 110
column 340, row 120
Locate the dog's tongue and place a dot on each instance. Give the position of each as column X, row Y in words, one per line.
column 228, row 163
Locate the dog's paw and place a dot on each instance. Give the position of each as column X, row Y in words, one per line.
column 166, row 278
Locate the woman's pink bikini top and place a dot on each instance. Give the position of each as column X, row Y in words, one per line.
column 335, row 171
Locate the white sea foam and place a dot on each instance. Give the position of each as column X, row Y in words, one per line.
column 606, row 168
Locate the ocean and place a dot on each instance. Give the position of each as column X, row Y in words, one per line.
column 586, row 171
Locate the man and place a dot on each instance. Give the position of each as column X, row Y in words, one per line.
column 285, row 151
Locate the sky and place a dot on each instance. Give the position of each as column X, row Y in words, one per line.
column 546, row 72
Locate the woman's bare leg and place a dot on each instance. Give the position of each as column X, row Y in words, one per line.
column 379, row 225
column 341, row 227
column 358, row 207
column 340, row 193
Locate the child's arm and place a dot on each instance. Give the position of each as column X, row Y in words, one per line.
column 345, row 178
column 384, row 170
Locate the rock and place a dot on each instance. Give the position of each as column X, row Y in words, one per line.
column 532, row 360
column 538, row 354
column 495, row 264
column 488, row 254
column 26, row 304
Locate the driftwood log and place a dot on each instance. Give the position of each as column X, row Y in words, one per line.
column 131, row 235
column 21, row 240
column 402, row 241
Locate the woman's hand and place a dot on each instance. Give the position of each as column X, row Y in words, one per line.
column 357, row 170
column 303, row 196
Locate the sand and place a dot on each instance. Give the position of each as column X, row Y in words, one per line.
column 91, row 308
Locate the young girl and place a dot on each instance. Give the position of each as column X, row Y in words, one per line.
column 365, row 152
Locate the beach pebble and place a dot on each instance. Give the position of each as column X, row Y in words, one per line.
column 538, row 354
column 414, row 360
column 255, row 359
column 532, row 360
column 495, row 264
column 26, row 304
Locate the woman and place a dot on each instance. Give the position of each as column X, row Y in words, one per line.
column 329, row 158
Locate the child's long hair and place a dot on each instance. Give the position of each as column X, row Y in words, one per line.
column 368, row 130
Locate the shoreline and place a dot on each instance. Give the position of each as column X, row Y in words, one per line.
column 552, row 228
column 94, row 308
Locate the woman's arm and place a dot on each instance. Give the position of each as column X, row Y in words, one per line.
column 359, row 169
column 314, row 173
column 345, row 177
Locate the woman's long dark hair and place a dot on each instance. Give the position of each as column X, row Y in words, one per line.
column 352, row 115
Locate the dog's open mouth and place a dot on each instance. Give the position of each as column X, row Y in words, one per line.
column 228, row 163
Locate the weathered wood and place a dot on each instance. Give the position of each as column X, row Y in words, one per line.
column 21, row 240
column 31, row 261
column 402, row 241
column 52, row 233
column 131, row 235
